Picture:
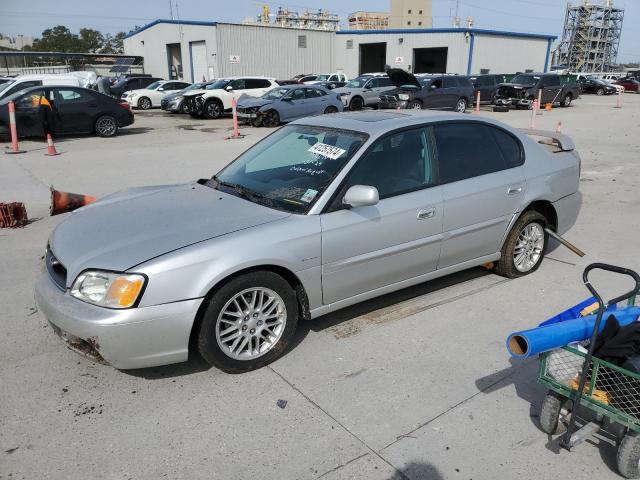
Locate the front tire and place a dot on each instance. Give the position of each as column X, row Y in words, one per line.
column 106, row 126
column 553, row 413
column 144, row 103
column 524, row 248
column 331, row 109
column 271, row 119
column 566, row 101
column 628, row 457
column 213, row 109
column 356, row 104
column 600, row 92
column 249, row 322
column 415, row 105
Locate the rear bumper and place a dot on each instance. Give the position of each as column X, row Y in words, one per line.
column 131, row 338
column 567, row 210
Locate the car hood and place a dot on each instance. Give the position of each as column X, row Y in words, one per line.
column 140, row 91
column 350, row 90
column 194, row 93
column 401, row 77
column 247, row 101
column 127, row 228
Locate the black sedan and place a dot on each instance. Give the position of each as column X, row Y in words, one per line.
column 594, row 85
column 64, row 110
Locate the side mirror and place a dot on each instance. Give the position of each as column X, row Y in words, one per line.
column 228, row 88
column 361, row 196
column 161, row 89
column 432, row 87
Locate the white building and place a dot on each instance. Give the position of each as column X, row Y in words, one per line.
column 195, row 50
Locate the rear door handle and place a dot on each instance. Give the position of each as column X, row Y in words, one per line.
column 426, row 213
column 514, row 190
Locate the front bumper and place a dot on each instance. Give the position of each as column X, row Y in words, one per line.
column 520, row 102
column 131, row 338
column 401, row 104
column 247, row 115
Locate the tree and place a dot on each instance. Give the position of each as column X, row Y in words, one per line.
column 113, row 43
column 57, row 39
column 91, row 40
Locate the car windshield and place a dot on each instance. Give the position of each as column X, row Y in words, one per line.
column 357, row 82
column 5, row 83
column 290, row 169
column 194, row 86
column 276, row 93
column 217, row 84
column 525, row 79
column 154, row 85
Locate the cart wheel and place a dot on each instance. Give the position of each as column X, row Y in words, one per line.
column 628, row 458
column 553, row 413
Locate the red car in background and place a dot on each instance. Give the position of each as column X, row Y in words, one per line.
column 629, row 84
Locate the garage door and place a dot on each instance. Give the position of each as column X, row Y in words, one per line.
column 198, row 61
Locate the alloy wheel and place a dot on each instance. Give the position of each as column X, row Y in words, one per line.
column 144, row 103
column 213, row 110
column 529, row 247
column 461, row 106
column 251, row 323
column 106, row 127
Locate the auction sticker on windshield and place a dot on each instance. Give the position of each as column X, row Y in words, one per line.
column 328, row 151
column 309, row 195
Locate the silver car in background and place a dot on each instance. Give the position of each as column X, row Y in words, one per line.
column 325, row 212
column 364, row 91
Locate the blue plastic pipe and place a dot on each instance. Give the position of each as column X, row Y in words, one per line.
column 531, row 342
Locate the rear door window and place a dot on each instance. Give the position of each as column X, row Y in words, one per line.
column 450, row 82
column 257, row 83
column 467, row 150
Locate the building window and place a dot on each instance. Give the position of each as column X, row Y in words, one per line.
column 419, row 12
column 349, row 44
column 419, row 23
column 302, row 41
column 409, row 22
column 409, row 12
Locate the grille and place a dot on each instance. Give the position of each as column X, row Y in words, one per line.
column 56, row 270
column 388, row 98
column 510, row 92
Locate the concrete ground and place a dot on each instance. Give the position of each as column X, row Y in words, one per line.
column 414, row 385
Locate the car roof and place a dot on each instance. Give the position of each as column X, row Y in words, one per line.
column 376, row 122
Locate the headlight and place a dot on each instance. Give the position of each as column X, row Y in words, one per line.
column 403, row 96
column 108, row 289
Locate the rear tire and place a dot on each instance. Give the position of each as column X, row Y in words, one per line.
column 106, row 126
column 415, row 105
column 520, row 255
column 217, row 348
column 551, row 413
column 628, row 457
column 461, row 105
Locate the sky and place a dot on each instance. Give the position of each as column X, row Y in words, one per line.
column 31, row 17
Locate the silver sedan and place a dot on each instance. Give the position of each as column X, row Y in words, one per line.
column 325, row 212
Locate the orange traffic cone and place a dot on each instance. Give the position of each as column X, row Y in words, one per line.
column 62, row 202
column 51, row 148
column 548, row 107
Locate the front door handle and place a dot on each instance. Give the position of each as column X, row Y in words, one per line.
column 426, row 213
column 514, row 190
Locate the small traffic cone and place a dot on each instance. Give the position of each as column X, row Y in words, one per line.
column 51, row 148
column 559, row 127
column 548, row 107
column 62, row 202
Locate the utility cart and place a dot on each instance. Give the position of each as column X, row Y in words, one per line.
column 577, row 380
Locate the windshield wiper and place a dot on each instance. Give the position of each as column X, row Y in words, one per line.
column 240, row 189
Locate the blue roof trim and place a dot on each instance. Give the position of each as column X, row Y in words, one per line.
column 174, row 22
column 448, row 30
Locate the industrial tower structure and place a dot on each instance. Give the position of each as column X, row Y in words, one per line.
column 591, row 37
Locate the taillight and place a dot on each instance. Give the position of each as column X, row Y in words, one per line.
column 125, row 105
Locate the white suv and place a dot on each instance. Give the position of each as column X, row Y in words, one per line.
column 216, row 99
